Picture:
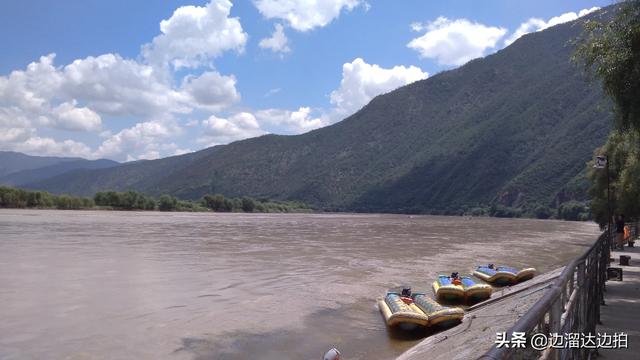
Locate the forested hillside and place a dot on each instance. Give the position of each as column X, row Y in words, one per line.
column 506, row 134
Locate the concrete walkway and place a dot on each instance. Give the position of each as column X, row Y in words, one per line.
column 622, row 310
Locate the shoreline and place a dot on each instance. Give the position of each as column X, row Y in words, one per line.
column 310, row 211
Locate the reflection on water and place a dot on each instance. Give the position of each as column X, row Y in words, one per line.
column 145, row 285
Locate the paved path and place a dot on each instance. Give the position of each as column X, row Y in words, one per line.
column 622, row 312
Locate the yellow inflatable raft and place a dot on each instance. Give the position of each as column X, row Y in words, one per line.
column 396, row 312
column 495, row 276
column 460, row 288
column 419, row 310
column 446, row 289
column 438, row 314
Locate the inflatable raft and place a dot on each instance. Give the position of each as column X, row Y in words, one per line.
column 398, row 310
column 438, row 315
column 462, row 288
column 475, row 291
column 448, row 289
column 521, row 275
column 503, row 275
column 417, row 310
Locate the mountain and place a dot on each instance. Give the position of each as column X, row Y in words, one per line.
column 11, row 162
column 17, row 169
column 514, row 128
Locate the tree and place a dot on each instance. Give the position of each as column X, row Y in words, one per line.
column 248, row 204
column 215, row 202
column 611, row 52
column 542, row 212
column 149, row 204
column 167, row 203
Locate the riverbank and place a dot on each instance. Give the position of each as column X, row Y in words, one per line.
column 13, row 198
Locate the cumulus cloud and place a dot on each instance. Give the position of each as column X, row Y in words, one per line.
column 30, row 89
column 48, row 146
column 13, row 135
column 278, row 41
column 361, row 82
column 145, row 139
column 454, row 42
column 217, row 130
column 194, row 35
column 536, row 24
column 44, row 95
column 304, row 15
column 211, row 90
column 291, row 122
column 116, row 86
column 70, row 117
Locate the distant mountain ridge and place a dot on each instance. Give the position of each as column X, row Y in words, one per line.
column 514, row 129
column 18, row 169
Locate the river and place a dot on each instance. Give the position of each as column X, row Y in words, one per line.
column 151, row 285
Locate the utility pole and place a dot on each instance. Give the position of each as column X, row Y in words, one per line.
column 609, row 219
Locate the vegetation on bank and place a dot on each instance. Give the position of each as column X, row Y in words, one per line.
column 571, row 210
column 611, row 52
column 131, row 200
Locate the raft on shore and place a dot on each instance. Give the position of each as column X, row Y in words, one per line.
column 463, row 288
column 503, row 275
column 417, row 310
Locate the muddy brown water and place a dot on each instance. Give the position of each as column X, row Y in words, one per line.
column 149, row 285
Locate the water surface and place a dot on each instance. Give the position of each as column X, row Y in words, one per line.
column 149, row 285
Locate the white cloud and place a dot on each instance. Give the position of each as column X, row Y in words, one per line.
column 70, row 117
column 291, row 122
column 361, row 82
column 272, row 92
column 454, row 42
column 417, row 27
column 121, row 87
column 211, row 90
column 536, row 24
column 179, row 151
column 145, row 139
column 239, row 126
column 90, row 93
column 47, row 146
column 14, row 135
column 278, row 41
column 25, row 95
column 44, row 95
column 304, row 15
column 194, row 35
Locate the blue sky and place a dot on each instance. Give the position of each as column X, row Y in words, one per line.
column 135, row 80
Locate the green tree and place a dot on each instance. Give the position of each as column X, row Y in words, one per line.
column 149, row 204
column 215, row 202
column 167, row 203
column 611, row 51
column 248, row 204
column 542, row 212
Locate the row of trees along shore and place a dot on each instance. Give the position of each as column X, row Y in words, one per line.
column 610, row 53
column 131, row 200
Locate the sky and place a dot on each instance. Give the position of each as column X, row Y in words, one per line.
column 131, row 80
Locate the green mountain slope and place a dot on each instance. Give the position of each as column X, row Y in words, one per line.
column 514, row 128
column 24, row 177
column 12, row 162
